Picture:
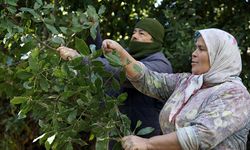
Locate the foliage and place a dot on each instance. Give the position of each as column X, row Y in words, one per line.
column 120, row 16
column 62, row 99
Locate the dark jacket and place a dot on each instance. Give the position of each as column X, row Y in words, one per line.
column 137, row 105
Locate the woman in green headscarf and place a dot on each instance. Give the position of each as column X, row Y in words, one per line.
column 145, row 45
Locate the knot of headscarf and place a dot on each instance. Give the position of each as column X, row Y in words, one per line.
column 141, row 50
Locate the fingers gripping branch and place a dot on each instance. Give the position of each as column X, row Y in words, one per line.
column 67, row 53
column 132, row 67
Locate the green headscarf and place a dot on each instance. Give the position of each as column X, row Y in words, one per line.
column 140, row 50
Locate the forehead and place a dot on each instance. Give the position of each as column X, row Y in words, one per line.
column 200, row 41
column 139, row 30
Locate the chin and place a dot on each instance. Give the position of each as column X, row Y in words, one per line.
column 195, row 72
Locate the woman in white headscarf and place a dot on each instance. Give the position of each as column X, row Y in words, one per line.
column 205, row 109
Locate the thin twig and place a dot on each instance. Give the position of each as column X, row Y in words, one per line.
column 38, row 40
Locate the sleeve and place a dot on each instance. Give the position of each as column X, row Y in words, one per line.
column 159, row 65
column 114, row 70
column 188, row 134
column 226, row 114
column 154, row 84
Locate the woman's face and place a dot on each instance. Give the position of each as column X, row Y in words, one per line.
column 200, row 59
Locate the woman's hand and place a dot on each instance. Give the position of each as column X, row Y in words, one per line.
column 132, row 67
column 110, row 45
column 67, row 53
column 134, row 143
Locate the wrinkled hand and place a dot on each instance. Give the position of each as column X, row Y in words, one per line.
column 110, row 45
column 134, row 143
column 67, row 53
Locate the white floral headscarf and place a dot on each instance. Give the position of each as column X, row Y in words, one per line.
column 225, row 62
column 224, row 56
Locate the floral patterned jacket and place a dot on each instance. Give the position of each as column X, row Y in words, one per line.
column 215, row 117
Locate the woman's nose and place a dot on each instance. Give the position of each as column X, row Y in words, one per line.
column 194, row 54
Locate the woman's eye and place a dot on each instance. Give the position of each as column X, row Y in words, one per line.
column 203, row 49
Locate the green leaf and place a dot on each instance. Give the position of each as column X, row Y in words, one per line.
column 77, row 62
column 48, row 6
column 115, row 84
column 113, row 59
column 24, row 110
column 24, row 75
column 93, row 30
column 58, row 40
column 57, row 72
column 37, row 5
column 122, row 77
column 51, row 139
column 80, row 102
column 125, row 129
column 47, row 145
column 44, row 85
column 91, row 137
column 122, row 97
column 69, row 146
column 12, row 2
column 138, row 124
column 33, row 61
column 87, row 25
column 145, row 131
column 101, row 10
column 31, row 11
column 97, row 63
column 65, row 69
column 49, row 21
column 67, row 94
column 101, row 144
column 96, row 54
column 52, row 28
column 34, row 53
column 72, row 116
column 40, row 2
column 84, row 125
column 21, row 115
column 91, row 10
column 63, row 29
column 29, row 45
column 12, row 9
column 18, row 100
column 81, row 46
column 99, row 83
